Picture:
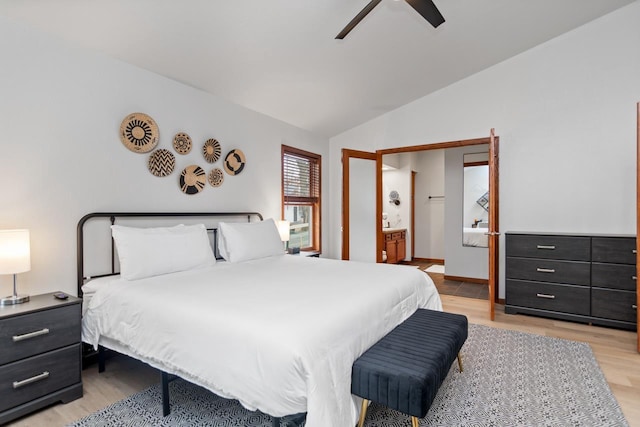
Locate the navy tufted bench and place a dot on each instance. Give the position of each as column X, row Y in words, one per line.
column 405, row 369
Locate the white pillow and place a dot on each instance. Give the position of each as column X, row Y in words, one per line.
column 242, row 241
column 147, row 252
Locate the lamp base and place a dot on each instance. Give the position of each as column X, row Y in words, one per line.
column 14, row 299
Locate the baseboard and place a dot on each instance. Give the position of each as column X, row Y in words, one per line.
column 467, row 279
column 433, row 260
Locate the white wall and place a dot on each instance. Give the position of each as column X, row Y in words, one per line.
column 60, row 113
column 565, row 114
column 430, row 212
column 399, row 216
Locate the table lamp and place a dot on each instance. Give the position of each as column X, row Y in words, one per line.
column 284, row 230
column 15, row 257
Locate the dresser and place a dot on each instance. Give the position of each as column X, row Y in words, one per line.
column 39, row 355
column 395, row 244
column 584, row 278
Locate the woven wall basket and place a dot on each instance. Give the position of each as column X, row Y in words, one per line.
column 139, row 133
column 182, row 143
column 161, row 162
column 234, row 162
column 192, row 179
column 211, row 150
column 216, row 177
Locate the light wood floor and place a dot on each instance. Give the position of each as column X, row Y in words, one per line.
column 615, row 351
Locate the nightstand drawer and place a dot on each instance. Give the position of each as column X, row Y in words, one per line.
column 620, row 250
column 546, row 270
column 614, row 304
column 614, row 276
column 549, row 296
column 30, row 334
column 550, row 247
column 36, row 376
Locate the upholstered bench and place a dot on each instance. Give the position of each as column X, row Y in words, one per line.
column 405, row 369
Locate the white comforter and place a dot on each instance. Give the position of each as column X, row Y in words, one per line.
column 279, row 334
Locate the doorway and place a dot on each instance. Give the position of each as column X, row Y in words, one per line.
column 492, row 231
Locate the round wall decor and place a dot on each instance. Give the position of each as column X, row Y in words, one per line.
column 216, row 177
column 211, row 150
column 182, row 143
column 234, row 162
column 139, row 133
column 161, row 162
column 192, row 179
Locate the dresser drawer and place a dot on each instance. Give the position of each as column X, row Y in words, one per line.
column 620, row 250
column 615, row 276
column 30, row 334
column 36, row 376
column 397, row 235
column 614, row 304
column 548, row 296
column 546, row 270
column 550, row 247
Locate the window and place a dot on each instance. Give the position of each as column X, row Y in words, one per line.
column 301, row 197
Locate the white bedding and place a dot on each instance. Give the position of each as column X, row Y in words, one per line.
column 279, row 334
column 475, row 237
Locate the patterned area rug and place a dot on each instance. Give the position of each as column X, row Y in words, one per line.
column 509, row 379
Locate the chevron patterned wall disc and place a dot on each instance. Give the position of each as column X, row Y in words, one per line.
column 161, row 162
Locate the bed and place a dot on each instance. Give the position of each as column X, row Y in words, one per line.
column 279, row 333
column 475, row 237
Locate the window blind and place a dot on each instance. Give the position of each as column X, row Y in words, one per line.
column 301, row 177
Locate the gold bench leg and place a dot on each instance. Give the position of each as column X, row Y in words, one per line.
column 414, row 422
column 363, row 412
column 459, row 362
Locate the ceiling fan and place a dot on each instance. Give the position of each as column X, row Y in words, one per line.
column 426, row 8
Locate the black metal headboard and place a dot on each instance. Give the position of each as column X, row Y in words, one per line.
column 113, row 216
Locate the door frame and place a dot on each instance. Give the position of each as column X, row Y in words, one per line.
column 638, row 221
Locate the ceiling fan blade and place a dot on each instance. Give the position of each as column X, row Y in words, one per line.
column 364, row 12
column 428, row 10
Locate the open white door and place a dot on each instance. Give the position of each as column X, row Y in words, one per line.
column 359, row 206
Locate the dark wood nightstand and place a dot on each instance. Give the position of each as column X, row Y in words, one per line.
column 39, row 354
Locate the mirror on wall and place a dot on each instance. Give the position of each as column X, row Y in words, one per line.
column 475, row 200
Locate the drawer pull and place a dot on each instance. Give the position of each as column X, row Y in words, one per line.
column 634, row 278
column 548, row 247
column 545, row 270
column 634, row 251
column 547, row 296
column 40, row 377
column 635, row 307
column 23, row 337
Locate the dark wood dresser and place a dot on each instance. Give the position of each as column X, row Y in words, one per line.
column 584, row 278
column 39, row 355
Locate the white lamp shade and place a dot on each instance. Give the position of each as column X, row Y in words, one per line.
column 283, row 229
column 15, row 251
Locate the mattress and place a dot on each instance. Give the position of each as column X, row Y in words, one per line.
column 279, row 334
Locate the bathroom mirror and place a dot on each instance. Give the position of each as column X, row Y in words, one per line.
column 475, row 200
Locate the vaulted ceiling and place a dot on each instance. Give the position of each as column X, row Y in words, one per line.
column 281, row 58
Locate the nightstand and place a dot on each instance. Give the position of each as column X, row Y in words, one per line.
column 39, row 354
